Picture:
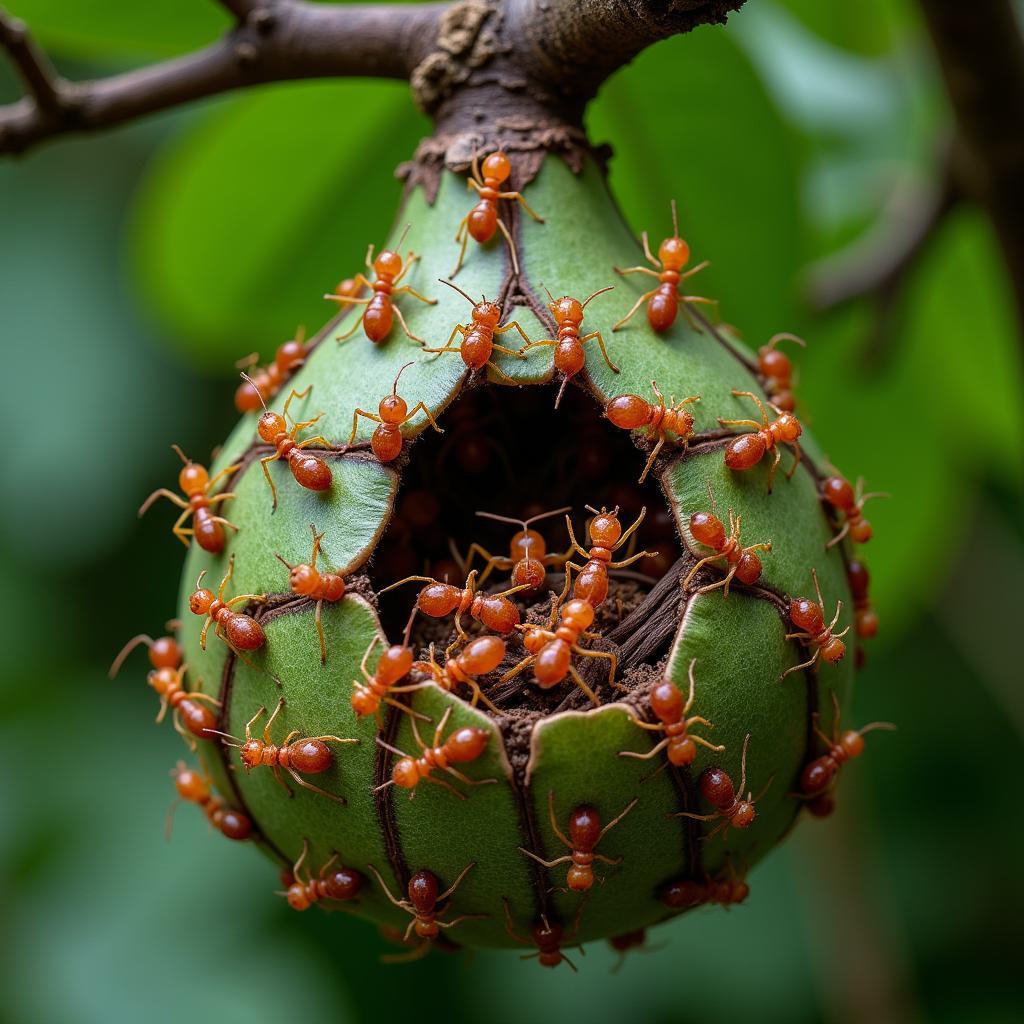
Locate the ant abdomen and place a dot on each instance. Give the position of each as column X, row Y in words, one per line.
column 309, row 471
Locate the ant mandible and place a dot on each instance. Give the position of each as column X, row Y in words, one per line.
column 746, row 451
column 465, row 744
column 195, row 788
column 239, row 631
column 570, row 356
column 548, row 936
column 310, row 471
column 307, row 754
column 708, row 529
column 266, row 381
column 777, row 370
column 809, row 619
column 840, row 494
column 393, row 414
column 585, row 832
column 336, row 884
column 187, row 711
column 716, row 787
column 482, row 221
column 164, row 652
column 478, row 344
column 631, row 412
column 606, row 537
column 673, row 255
column 865, row 616
column 196, row 484
column 679, row 743
column 480, row 656
column 381, row 310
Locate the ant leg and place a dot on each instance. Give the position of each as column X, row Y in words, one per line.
column 356, row 324
column 797, row 453
column 461, row 235
column 320, row 633
column 448, row 346
column 723, row 583
column 611, row 824
column 695, row 270
column 636, row 305
column 270, row 721
column 775, row 465
column 479, row 695
column 202, row 635
column 414, row 338
column 401, row 904
column 402, row 707
column 458, row 881
column 266, row 472
column 162, row 492
column 632, row 529
column 239, row 598
column 700, row 565
column 366, row 658
column 197, row 695
column 455, row 773
column 226, row 471
column 653, row 752
column 740, row 423
column 796, row 668
column 629, row 561
column 518, row 197
column 178, row 528
column 406, row 290
column 516, row 669
column 757, row 401
column 647, row 252
column 315, row 789
column 444, row 785
column 511, row 246
column 837, row 539
column 607, row 655
column 459, row 919
column 575, row 545
column 600, row 341
column 554, row 827
column 427, row 413
column 508, row 351
column 509, row 927
column 410, row 260
column 491, row 561
column 623, row 271
column 578, row 680
column 162, row 713
column 704, row 743
column 355, row 422
column 500, row 372
column 547, row 863
column 513, row 325
column 607, row 860
column 650, row 458
column 189, row 739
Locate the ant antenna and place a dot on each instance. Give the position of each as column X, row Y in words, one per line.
column 675, row 219
column 455, row 287
column 548, row 290
column 287, row 565
column 785, row 336
column 408, row 626
column 401, row 237
column 394, row 388
column 181, row 455
column 142, row 638
column 252, row 384
column 610, row 287
column 711, row 495
column 525, row 523
column 199, row 581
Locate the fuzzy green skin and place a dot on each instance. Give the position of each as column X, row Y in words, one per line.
column 738, row 643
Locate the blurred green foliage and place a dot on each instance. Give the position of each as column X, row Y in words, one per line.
column 137, row 267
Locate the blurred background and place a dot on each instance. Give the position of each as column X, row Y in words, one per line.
column 135, row 268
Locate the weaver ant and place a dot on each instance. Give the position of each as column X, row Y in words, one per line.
column 548, row 936
column 336, row 884
column 239, row 631
column 164, row 652
column 685, row 893
column 195, row 788
column 777, row 370
column 840, row 494
column 716, row 787
column 570, row 357
column 196, row 484
column 266, row 381
column 393, row 414
column 679, row 744
column 465, row 744
column 606, row 537
column 865, row 616
column 480, row 656
column 187, row 711
column 478, row 344
column 482, row 221
column 809, row 619
column 631, row 412
column 673, row 255
column 708, row 529
column 585, row 832
column 747, row 450
column 306, row 580
column 307, row 754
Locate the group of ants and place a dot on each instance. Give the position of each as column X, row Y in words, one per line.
column 550, row 647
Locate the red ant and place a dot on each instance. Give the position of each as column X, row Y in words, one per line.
column 164, row 652
column 482, row 221
column 673, row 255
column 865, row 616
column 393, row 664
column 527, row 559
column 187, row 711
column 380, row 312
column 627, row 942
column 386, row 441
column 195, row 788
column 570, row 356
column 631, row 412
column 438, row 599
column 708, row 529
column 307, row 754
column 551, row 649
column 463, row 745
column 685, row 893
column 239, row 631
column 585, row 832
column 716, row 787
column 310, row 471
column 809, row 619
column 195, row 482
column 336, row 884
column 548, row 937
column 478, row 344
column 839, row 493
column 747, row 450
column 265, row 382
column 425, row 894
column 679, row 744
column 482, row 655
column 348, row 287
column 306, row 580
column 777, row 370
column 606, row 537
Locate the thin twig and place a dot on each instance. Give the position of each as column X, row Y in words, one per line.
column 38, row 74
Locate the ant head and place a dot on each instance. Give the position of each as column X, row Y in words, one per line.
column 487, row 313
column 270, row 425
column 852, row 742
column 744, row 814
column 674, row 253
column 566, row 310
column 191, row 785
column 405, row 773
column 423, row 891
column 584, row 828
column 201, row 599
column 298, row 899
column 163, row 679
column 788, row 427
column 291, row 353
column 193, row 478
column 388, row 264
column 605, row 528
column 303, row 579
column 497, row 167
column 393, row 409
column 250, row 752
column 578, row 613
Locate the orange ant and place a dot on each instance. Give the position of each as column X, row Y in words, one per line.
column 839, row 493
column 307, row 754
column 482, row 655
column 386, row 441
column 673, row 255
column 527, row 558
column 708, row 529
column 631, row 412
column 716, row 787
column 348, row 287
column 164, row 652
column 548, row 937
column 585, row 832
column 336, row 884
column 239, row 631
column 380, row 312
column 685, row 893
column 777, row 370
column 865, row 616
column 679, row 744
column 809, row 619
column 195, row 788
column 187, row 711
column 195, row 482
column 393, row 664
column 551, row 649
column 570, row 356
column 310, row 471
column 266, row 381
column 464, row 745
column 482, row 221
column 478, row 344
column 306, row 580
column 747, row 450
column 606, row 537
